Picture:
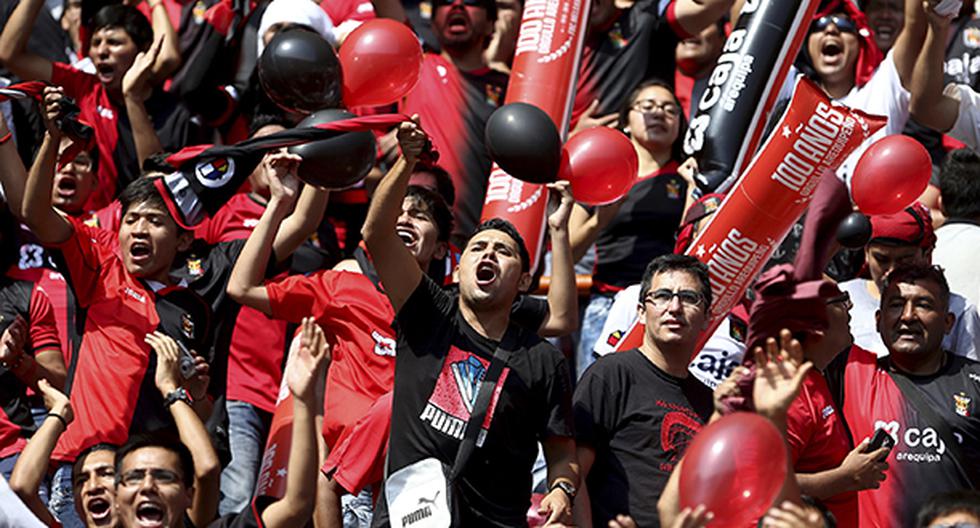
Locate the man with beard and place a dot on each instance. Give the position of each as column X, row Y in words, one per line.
column 625, row 399
column 921, row 394
column 448, row 347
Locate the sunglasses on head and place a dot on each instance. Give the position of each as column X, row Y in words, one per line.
column 843, row 23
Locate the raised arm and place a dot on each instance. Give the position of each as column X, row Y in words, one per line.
column 245, row 285
column 137, row 87
column 584, row 227
column 562, row 293
column 695, row 15
column 48, row 225
column 302, row 223
column 305, row 371
column 397, row 268
column 909, row 41
column 33, row 462
column 207, row 468
column 13, row 43
column 929, row 105
column 13, row 175
column 167, row 61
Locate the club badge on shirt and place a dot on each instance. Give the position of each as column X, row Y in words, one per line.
column 971, row 37
column 494, row 94
column 961, row 403
column 194, row 267
column 187, row 325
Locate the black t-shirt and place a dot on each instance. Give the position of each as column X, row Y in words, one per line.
column 639, row 45
column 644, row 228
column 440, row 362
column 639, row 420
column 250, row 517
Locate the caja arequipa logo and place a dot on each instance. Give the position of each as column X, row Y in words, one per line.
column 915, row 444
column 215, row 173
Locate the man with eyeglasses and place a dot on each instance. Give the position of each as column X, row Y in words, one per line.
column 637, row 410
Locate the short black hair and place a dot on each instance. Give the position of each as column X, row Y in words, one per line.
column 100, row 446
column 165, row 439
column 959, row 184
column 142, row 190
column 442, row 216
column 499, row 224
column 444, row 182
column 672, row 262
column 677, row 147
column 263, row 120
column 942, row 504
column 910, row 273
column 127, row 18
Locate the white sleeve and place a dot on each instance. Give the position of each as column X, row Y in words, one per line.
column 965, row 337
column 13, row 512
column 965, row 128
column 620, row 319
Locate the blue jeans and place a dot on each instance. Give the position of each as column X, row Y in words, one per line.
column 593, row 319
column 248, row 427
column 357, row 510
column 62, row 503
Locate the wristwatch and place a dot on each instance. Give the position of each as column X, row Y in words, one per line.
column 180, row 394
column 565, row 486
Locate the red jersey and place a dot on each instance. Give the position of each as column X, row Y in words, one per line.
column 22, row 298
column 818, row 441
column 347, row 15
column 258, row 342
column 356, row 317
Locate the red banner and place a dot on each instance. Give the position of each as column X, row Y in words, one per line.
column 549, row 47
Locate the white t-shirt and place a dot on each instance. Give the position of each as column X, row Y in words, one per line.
column 13, row 512
column 715, row 362
column 963, row 340
column 958, row 252
column 967, row 126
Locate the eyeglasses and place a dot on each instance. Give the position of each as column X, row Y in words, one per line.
column 649, row 105
column 843, row 24
column 160, row 476
column 662, row 298
column 844, row 298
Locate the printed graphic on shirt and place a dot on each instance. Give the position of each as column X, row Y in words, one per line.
column 455, row 393
column 383, row 345
column 676, row 433
column 962, row 404
column 921, row 445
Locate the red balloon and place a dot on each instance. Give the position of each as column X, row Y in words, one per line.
column 601, row 164
column 381, row 61
column 735, row 467
column 890, row 175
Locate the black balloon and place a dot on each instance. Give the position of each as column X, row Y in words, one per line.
column 300, row 72
column 338, row 162
column 524, row 141
column 854, row 231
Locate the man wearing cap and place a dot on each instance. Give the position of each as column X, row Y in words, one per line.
column 905, row 237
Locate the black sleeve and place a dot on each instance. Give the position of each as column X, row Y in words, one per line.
column 558, row 387
column 250, row 517
column 593, row 408
column 426, row 312
column 529, row 312
column 834, row 374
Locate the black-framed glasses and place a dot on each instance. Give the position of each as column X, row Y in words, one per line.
column 160, row 476
column 647, row 106
column 844, row 298
column 660, row 299
column 844, row 23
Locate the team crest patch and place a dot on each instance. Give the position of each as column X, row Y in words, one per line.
column 92, row 220
column 617, row 38
column 971, row 37
column 187, row 325
column 425, row 10
column 673, row 189
column 494, row 94
column 962, row 404
column 737, row 329
column 198, row 12
column 215, row 173
column 194, row 267
column 614, row 338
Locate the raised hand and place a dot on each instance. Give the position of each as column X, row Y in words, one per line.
column 411, row 138
column 51, row 108
column 282, row 167
column 779, row 375
column 561, row 192
column 309, row 364
column 55, row 401
column 137, row 82
column 168, row 376
column 591, row 118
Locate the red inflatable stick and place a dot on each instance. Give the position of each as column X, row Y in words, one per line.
column 812, row 139
column 275, row 458
column 549, row 47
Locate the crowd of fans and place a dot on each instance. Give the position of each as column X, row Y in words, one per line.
column 142, row 361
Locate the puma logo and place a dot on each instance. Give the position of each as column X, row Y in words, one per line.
column 432, row 501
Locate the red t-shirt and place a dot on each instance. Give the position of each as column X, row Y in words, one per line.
column 258, row 342
column 98, row 111
column 113, row 357
column 356, row 318
column 42, row 335
column 818, row 440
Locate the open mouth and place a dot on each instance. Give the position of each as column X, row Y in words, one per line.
column 909, row 333
column 408, row 236
column 831, row 49
column 66, row 187
column 149, row 514
column 140, row 252
column 486, row 273
column 105, row 72
column 457, row 21
column 98, row 508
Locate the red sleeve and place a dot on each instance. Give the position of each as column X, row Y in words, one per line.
column 800, row 422
column 298, row 296
column 75, row 82
column 675, row 24
column 43, row 329
column 84, row 252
